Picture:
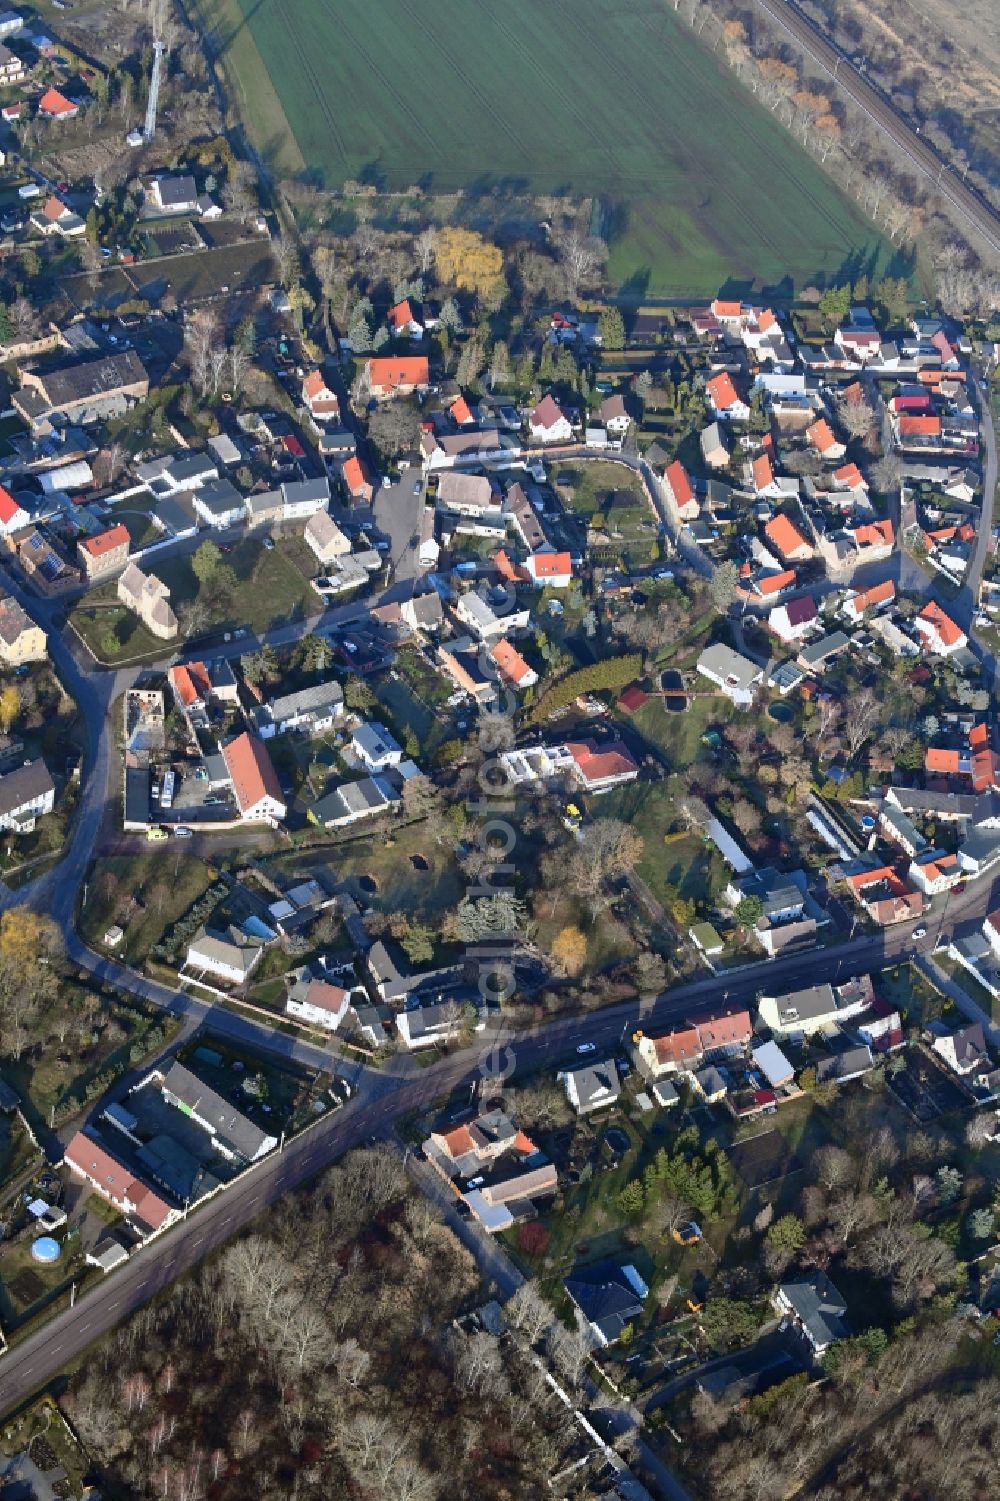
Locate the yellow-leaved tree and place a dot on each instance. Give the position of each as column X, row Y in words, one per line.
column 569, row 949
column 463, row 258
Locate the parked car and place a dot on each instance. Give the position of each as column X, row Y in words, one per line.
column 181, row 832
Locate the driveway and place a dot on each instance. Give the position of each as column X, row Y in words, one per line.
column 398, row 514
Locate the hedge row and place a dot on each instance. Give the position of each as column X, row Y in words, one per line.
column 611, row 673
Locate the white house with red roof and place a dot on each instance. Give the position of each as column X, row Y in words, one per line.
column 116, row 1183
column 730, row 313
column 316, row 1000
column 941, row 636
column 549, row 570
column 726, row 401
column 548, row 423
column 403, row 322
column 55, row 106
column 681, row 491
column 55, row 218
column 934, row 871
column 600, row 768
column 760, row 327
column 824, row 440
column 795, row 620
column 387, row 376
column 255, row 782
column 512, row 667
column 13, row 516
column 322, row 403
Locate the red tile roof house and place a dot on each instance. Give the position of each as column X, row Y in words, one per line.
column 550, row 570
column 934, row 872
column 255, row 782
column 396, row 376
column 55, row 106
column 940, row 633
column 786, row 539
column 867, row 599
column 511, row 665
column 794, row 620
column 357, row 480
column 726, row 400
column 105, row 554
column 874, row 541
column 115, row 1182
column 402, row 322
column 460, row 412
column 598, row 770
column 825, row 441
column 729, row 312
column 885, row 896
column 13, row 516
column 548, row 423
column 676, row 479
column 323, row 403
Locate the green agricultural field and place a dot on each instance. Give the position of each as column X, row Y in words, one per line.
column 697, row 185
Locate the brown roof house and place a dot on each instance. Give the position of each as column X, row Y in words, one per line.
column 148, row 597
column 21, row 640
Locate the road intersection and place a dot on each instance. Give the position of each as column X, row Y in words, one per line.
column 380, row 1097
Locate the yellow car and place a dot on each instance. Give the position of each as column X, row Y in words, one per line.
column 156, row 833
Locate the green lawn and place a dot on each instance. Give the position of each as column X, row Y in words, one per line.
column 697, row 185
column 163, row 884
column 272, row 588
column 686, row 866
column 423, row 895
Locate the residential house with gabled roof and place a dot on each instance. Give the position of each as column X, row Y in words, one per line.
column 941, row 636
column 548, row 423
column 934, row 871
column 795, row 620
column 614, row 416
column 714, row 449
column 21, row 639
column 549, row 570
column 824, row 440
column 598, row 769
column 313, row 998
column 105, row 553
column 511, row 666
column 592, row 1086
column 55, row 106
column 387, row 376
column 726, row 402
column 13, row 515
column 90, row 1160
column 460, row 412
column 857, row 603
column 815, row 1307
column 814, row 1008
column 325, row 539
column 787, row 540
column 27, row 793
column 885, row 896
column 681, row 491
column 403, row 322
column 257, row 789
column 609, row 1295
column 56, row 218
column 323, row 403
column 964, row 1051
column 727, row 311
column 357, row 480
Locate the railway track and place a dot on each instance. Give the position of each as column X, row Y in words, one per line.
column 970, row 207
